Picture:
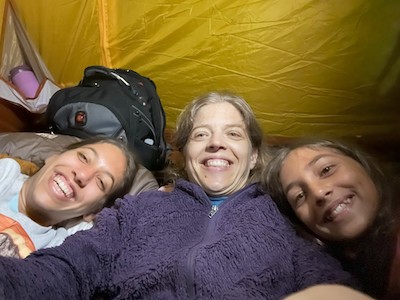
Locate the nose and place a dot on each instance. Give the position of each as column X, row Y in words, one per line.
column 82, row 176
column 321, row 192
column 216, row 142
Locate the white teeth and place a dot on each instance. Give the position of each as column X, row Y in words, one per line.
column 338, row 210
column 66, row 189
column 216, row 163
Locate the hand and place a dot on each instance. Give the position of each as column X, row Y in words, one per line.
column 328, row 292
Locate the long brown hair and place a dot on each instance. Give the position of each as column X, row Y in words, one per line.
column 369, row 255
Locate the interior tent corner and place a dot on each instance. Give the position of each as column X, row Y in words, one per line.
column 18, row 109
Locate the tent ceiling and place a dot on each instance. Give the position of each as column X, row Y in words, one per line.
column 307, row 67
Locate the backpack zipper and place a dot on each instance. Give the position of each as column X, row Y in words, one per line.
column 146, row 121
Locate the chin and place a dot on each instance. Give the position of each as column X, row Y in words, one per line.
column 215, row 193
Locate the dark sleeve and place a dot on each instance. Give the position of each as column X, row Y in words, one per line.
column 315, row 266
column 74, row 270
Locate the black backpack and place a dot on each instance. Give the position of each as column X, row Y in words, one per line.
column 113, row 103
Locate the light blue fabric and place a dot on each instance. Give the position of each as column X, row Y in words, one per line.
column 217, row 200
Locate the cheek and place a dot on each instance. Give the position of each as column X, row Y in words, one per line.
column 192, row 149
column 372, row 195
column 93, row 207
column 190, row 156
column 94, row 199
column 369, row 209
column 92, row 192
column 305, row 216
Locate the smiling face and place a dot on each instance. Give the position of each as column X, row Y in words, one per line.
column 218, row 154
column 73, row 184
column 330, row 193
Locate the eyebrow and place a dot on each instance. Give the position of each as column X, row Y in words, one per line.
column 317, row 158
column 230, row 125
column 309, row 165
column 96, row 154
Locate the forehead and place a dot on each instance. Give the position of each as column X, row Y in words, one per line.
column 310, row 154
column 102, row 149
column 304, row 158
column 217, row 113
column 305, row 151
column 108, row 155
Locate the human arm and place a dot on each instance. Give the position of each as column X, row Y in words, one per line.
column 328, row 292
column 313, row 265
column 71, row 271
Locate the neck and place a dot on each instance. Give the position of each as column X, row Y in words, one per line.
column 22, row 198
column 24, row 207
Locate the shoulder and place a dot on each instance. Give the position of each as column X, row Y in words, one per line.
column 159, row 200
column 8, row 165
column 259, row 199
column 10, row 173
column 10, row 170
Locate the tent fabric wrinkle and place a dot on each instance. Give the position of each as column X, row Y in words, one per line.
column 307, row 67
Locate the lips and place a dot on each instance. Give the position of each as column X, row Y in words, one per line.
column 336, row 209
column 63, row 186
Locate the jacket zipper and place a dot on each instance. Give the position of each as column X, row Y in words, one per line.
column 213, row 211
column 193, row 251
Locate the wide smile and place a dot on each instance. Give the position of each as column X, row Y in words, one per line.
column 216, row 163
column 337, row 209
column 63, row 187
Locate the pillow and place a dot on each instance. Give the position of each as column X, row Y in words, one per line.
column 36, row 147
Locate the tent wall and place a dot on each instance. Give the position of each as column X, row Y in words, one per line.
column 307, row 67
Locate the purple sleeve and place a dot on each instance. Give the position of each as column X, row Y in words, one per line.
column 70, row 271
column 313, row 265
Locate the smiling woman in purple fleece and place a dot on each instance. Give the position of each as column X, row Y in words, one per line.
column 214, row 236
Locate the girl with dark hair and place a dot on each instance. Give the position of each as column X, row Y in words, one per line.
column 340, row 198
column 63, row 196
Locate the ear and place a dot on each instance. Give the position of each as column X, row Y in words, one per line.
column 253, row 159
column 89, row 217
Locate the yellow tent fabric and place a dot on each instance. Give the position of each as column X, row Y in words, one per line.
column 307, row 67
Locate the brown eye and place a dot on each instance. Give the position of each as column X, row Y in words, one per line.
column 326, row 170
column 300, row 198
column 296, row 199
column 101, row 184
column 82, row 157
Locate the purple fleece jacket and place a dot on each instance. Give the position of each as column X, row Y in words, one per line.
column 161, row 245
